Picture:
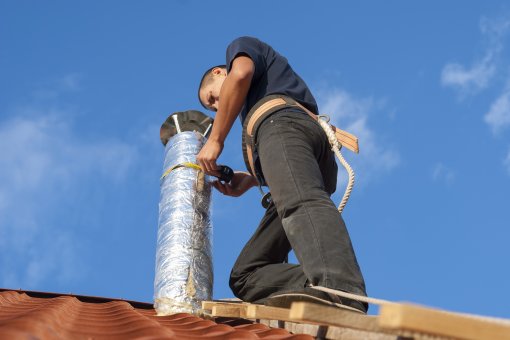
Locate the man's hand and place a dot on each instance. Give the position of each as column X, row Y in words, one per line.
column 240, row 183
column 207, row 157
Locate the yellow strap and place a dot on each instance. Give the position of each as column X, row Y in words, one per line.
column 181, row 165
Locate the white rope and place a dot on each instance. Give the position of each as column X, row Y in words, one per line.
column 351, row 296
column 380, row 302
column 336, row 146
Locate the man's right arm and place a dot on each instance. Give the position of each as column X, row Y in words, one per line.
column 232, row 97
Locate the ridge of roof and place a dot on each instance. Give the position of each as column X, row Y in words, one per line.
column 82, row 298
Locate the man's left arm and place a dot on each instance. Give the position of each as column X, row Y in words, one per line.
column 232, row 97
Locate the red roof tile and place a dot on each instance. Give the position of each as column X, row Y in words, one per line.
column 25, row 314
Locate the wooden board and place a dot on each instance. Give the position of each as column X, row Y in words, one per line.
column 394, row 319
column 229, row 311
column 413, row 318
column 245, row 310
column 313, row 313
column 208, row 305
column 329, row 332
column 266, row 312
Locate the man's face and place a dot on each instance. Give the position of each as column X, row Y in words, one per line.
column 210, row 93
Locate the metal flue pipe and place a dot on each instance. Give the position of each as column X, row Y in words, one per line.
column 184, row 270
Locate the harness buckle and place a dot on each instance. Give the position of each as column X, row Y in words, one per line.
column 324, row 117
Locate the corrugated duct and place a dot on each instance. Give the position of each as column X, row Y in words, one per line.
column 184, row 269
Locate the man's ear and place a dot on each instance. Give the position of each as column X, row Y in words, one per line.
column 219, row 71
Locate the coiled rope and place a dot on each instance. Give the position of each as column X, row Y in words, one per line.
column 336, row 146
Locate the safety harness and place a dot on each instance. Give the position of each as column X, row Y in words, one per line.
column 269, row 105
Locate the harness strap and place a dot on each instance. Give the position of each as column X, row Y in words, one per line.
column 270, row 104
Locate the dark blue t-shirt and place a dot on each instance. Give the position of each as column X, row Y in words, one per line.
column 273, row 74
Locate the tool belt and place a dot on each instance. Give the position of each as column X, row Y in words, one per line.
column 263, row 109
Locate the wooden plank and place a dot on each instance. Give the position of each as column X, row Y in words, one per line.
column 266, row 312
column 348, row 140
column 229, row 310
column 280, row 318
column 324, row 315
column 328, row 332
column 233, row 300
column 208, row 305
column 413, row 318
column 342, row 333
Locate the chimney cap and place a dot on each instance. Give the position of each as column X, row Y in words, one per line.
column 191, row 120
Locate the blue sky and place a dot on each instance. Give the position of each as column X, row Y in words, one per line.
column 85, row 86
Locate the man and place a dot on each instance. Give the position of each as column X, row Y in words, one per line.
column 294, row 159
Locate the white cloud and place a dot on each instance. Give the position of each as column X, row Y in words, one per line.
column 352, row 114
column 441, row 172
column 478, row 76
column 43, row 150
column 498, row 116
column 43, row 164
column 495, row 28
column 470, row 80
column 52, row 255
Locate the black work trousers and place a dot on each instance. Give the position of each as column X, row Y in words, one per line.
column 301, row 172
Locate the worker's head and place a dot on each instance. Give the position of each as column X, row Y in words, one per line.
column 210, row 86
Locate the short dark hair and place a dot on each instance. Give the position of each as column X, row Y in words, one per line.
column 207, row 79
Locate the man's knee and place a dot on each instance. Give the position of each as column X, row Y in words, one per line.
column 237, row 282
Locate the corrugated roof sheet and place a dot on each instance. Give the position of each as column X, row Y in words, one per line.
column 25, row 314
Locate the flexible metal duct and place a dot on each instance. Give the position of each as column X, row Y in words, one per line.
column 184, row 271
